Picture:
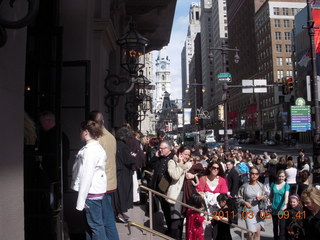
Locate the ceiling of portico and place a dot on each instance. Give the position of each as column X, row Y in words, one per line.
column 153, row 19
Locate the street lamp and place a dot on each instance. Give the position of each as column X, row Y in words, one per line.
column 132, row 50
column 224, row 50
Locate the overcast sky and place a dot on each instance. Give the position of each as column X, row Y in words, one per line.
column 177, row 39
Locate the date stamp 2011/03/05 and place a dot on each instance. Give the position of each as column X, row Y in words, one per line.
column 248, row 214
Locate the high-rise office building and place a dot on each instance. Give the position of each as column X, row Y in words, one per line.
column 188, row 49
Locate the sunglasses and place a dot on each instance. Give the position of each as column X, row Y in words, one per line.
column 254, row 174
column 215, row 168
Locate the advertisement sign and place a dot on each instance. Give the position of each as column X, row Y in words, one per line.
column 180, row 120
column 187, row 115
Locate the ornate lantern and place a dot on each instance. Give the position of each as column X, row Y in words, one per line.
column 132, row 51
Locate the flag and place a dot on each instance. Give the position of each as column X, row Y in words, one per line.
column 316, row 19
column 303, row 62
column 187, row 116
column 180, row 120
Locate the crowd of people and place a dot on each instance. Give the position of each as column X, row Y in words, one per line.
column 225, row 185
column 235, row 184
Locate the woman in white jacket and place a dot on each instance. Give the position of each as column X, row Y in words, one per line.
column 177, row 170
column 89, row 179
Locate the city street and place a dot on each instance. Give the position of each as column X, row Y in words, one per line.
column 279, row 149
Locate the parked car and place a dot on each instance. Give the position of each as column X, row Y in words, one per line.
column 210, row 139
column 214, row 145
column 234, row 144
column 250, row 141
column 269, row 143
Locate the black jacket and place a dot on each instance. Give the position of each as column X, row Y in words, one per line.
column 312, row 226
column 160, row 168
column 233, row 182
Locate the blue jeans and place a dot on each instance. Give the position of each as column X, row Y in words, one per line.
column 109, row 219
column 94, row 217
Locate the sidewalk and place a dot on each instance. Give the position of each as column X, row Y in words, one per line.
column 137, row 215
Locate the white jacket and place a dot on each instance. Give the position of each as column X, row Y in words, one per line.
column 88, row 172
column 177, row 171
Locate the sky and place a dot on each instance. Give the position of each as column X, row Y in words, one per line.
column 174, row 48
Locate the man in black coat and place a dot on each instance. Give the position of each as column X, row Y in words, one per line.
column 300, row 159
column 232, row 177
column 160, row 163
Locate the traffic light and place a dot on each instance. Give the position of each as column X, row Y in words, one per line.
column 196, row 120
column 287, row 85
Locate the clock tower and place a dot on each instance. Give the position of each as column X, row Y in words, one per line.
column 163, row 81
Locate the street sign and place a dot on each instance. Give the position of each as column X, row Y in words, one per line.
column 221, row 131
column 224, row 77
column 300, row 110
column 254, row 86
column 247, row 82
column 260, row 83
column 300, row 118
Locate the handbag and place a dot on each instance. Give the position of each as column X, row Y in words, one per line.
column 264, row 204
column 164, row 183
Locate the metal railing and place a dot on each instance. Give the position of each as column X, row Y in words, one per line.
column 148, row 230
column 151, row 191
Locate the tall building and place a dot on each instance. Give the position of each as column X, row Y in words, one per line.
column 188, row 49
column 219, row 40
column 194, row 95
column 58, row 63
column 274, row 23
column 206, row 40
column 163, row 80
column 241, row 35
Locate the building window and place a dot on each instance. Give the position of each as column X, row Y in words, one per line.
column 279, row 61
column 163, row 87
column 197, row 15
column 163, row 77
column 288, row 48
column 288, row 61
column 287, row 36
column 278, row 35
column 276, row 11
column 289, row 73
column 294, row 11
column 277, row 23
column 286, row 23
column 278, row 48
column 285, row 11
column 280, row 74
